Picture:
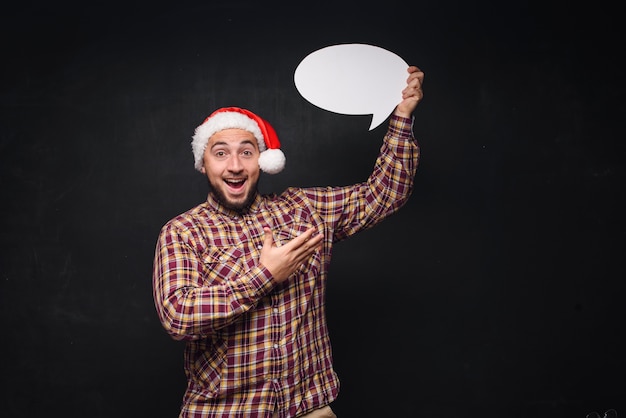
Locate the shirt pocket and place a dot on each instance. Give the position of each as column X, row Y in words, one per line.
column 222, row 264
column 295, row 223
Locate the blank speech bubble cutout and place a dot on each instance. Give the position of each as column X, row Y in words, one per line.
column 353, row 79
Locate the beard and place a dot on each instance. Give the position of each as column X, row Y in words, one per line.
column 229, row 204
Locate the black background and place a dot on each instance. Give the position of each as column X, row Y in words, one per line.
column 497, row 291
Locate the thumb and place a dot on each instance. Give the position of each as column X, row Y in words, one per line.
column 268, row 239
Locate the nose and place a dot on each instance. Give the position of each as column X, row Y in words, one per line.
column 234, row 163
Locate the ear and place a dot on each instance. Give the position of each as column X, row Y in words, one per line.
column 202, row 170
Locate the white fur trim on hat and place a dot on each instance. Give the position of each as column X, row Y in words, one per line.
column 219, row 122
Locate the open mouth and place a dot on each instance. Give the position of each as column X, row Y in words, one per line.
column 235, row 184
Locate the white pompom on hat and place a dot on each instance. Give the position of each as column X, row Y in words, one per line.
column 271, row 160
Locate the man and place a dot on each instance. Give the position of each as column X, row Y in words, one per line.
column 242, row 277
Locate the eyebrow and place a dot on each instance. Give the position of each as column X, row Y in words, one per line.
column 244, row 142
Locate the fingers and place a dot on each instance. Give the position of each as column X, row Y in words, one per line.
column 413, row 87
column 306, row 244
column 412, row 94
column 305, row 241
column 306, row 236
column 304, row 249
column 414, row 71
column 416, row 77
column 312, row 243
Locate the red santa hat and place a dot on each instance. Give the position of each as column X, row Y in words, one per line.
column 271, row 160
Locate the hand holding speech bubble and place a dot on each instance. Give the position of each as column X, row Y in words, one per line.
column 353, row 79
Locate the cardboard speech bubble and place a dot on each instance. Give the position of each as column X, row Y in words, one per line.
column 353, row 79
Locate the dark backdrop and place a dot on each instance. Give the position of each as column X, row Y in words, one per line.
column 498, row 291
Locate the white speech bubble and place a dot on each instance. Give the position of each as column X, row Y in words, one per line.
column 353, row 79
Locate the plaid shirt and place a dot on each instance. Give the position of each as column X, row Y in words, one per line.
column 254, row 346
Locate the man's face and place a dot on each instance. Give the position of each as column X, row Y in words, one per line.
column 231, row 163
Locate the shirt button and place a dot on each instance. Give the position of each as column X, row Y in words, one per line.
column 249, row 222
column 275, row 345
column 259, row 247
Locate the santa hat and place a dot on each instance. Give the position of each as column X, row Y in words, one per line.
column 271, row 160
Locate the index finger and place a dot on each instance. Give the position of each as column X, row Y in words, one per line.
column 305, row 236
